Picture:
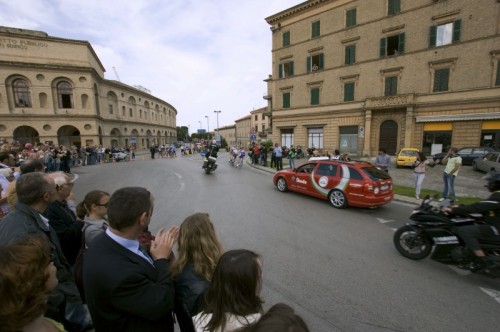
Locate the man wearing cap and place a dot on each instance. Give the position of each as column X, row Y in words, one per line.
column 62, row 219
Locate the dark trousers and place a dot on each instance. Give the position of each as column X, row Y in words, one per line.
column 279, row 163
column 471, row 233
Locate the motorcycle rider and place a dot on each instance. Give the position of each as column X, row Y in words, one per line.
column 490, row 209
column 212, row 150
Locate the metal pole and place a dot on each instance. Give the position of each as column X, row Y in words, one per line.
column 208, row 125
column 217, row 112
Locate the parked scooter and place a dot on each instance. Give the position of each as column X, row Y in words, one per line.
column 431, row 228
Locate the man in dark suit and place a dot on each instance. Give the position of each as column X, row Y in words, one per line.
column 126, row 288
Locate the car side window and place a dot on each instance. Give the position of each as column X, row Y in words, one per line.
column 480, row 151
column 465, row 151
column 355, row 175
column 491, row 157
column 327, row 169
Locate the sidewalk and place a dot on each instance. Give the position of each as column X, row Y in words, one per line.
column 468, row 183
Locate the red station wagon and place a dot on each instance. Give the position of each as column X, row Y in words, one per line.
column 353, row 183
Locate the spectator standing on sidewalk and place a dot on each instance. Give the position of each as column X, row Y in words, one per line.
column 383, row 160
column 291, row 157
column 453, row 163
column 273, row 158
column 263, row 155
column 278, row 152
column 419, row 169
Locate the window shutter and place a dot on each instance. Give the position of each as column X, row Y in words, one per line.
column 441, row 78
column 497, row 81
column 353, row 54
column 291, row 68
column 347, row 52
column 387, row 86
column 286, row 100
column 390, row 6
column 349, row 92
column 315, row 96
column 382, row 47
column 280, row 70
column 433, row 36
column 321, row 63
column 308, row 65
column 456, row 30
column 401, row 45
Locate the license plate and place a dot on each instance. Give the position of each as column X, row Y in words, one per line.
column 409, row 164
column 384, row 187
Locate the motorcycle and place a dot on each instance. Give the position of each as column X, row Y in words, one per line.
column 210, row 164
column 433, row 229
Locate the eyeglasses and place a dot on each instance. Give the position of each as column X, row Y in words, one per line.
column 105, row 204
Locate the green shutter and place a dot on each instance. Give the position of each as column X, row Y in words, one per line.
column 321, row 63
column 354, row 16
column 280, row 70
column 315, row 96
column 497, row 81
column 315, row 29
column 391, row 86
column 308, row 65
column 291, row 68
column 390, row 9
column 387, row 86
column 351, row 18
column 353, row 54
column 456, row 30
column 286, row 100
column 349, row 91
column 347, row 57
column 401, row 44
column 382, row 47
column 433, row 36
column 286, row 38
column 441, row 78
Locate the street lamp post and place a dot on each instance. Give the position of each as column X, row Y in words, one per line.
column 200, row 124
column 218, row 133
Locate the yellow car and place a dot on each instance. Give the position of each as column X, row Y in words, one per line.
column 406, row 157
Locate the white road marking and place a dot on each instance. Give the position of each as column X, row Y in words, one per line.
column 183, row 185
column 492, row 292
column 383, row 221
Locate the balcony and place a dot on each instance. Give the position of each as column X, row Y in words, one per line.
column 267, row 96
column 262, row 134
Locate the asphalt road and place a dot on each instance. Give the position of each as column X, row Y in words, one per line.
column 337, row 268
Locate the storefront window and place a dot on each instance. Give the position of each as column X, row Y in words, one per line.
column 436, row 140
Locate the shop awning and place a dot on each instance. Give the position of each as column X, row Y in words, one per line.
column 458, row 117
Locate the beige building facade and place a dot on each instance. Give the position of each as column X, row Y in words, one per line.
column 53, row 90
column 363, row 75
column 229, row 134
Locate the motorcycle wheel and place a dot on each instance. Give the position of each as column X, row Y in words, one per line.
column 411, row 244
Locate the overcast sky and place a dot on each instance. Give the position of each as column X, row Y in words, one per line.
column 198, row 55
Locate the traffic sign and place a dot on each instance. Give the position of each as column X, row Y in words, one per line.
column 253, row 137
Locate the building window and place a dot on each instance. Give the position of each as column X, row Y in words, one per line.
column 286, row 38
column 315, row 138
column 22, row 94
column 110, row 108
column 65, row 95
column 350, row 18
column 140, row 114
column 315, row 62
column 315, row 29
column 391, row 86
column 393, row 7
column 286, row 100
column 287, row 137
column 350, row 54
column 441, row 78
column 392, row 45
column 349, row 91
column 497, row 81
column 285, row 69
column 314, row 96
column 123, row 110
column 130, row 112
column 445, row 34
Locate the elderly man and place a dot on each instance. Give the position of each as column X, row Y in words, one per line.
column 62, row 219
column 35, row 191
column 126, row 288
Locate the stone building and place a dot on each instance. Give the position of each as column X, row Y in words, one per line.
column 260, row 123
column 229, row 134
column 243, row 131
column 53, row 90
column 361, row 75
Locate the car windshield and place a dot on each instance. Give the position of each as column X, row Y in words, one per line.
column 376, row 174
column 408, row 153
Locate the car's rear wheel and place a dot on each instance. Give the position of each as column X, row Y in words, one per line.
column 281, row 185
column 474, row 166
column 337, row 199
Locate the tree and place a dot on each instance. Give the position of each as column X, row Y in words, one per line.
column 183, row 133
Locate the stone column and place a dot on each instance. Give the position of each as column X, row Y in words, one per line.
column 368, row 132
column 408, row 142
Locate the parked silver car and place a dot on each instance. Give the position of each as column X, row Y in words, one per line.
column 487, row 163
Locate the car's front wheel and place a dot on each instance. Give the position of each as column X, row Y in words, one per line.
column 337, row 199
column 281, row 185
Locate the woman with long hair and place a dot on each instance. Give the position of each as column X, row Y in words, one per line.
column 199, row 250
column 233, row 298
column 92, row 210
column 27, row 277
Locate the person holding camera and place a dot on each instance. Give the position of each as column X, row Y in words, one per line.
column 419, row 169
column 453, row 164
